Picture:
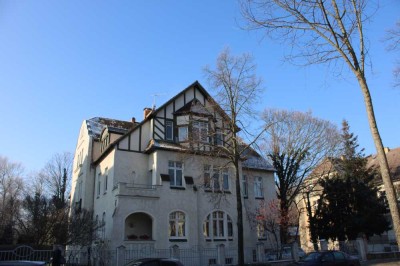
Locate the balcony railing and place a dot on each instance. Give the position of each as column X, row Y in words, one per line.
column 137, row 190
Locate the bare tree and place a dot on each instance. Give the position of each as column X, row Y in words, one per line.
column 237, row 89
column 56, row 176
column 393, row 40
column 11, row 187
column 324, row 32
column 309, row 195
column 296, row 143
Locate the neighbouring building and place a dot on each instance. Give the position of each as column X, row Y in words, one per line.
column 164, row 183
column 329, row 167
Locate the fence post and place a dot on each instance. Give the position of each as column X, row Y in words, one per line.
column 361, row 249
column 260, row 252
column 324, row 244
column 295, row 251
column 121, row 255
column 221, row 254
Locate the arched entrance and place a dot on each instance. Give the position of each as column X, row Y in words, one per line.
column 139, row 227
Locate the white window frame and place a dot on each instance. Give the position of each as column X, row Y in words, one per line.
column 216, row 178
column 258, row 187
column 174, row 167
column 218, row 225
column 202, row 131
column 177, row 220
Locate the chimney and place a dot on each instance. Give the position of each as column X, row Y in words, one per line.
column 146, row 112
column 386, row 149
column 133, row 120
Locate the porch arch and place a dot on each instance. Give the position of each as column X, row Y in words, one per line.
column 139, row 227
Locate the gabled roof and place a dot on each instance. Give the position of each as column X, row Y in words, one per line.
column 253, row 160
column 331, row 165
column 328, row 165
column 393, row 158
column 194, row 107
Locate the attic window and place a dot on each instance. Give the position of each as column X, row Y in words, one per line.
column 105, row 142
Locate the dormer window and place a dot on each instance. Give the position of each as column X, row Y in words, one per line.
column 105, row 142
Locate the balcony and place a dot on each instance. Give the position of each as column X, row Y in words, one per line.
column 137, row 190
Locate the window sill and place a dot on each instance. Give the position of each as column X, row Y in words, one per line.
column 177, row 240
column 259, row 198
column 218, row 239
column 218, row 191
column 177, row 188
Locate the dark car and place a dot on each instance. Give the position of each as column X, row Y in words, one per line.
column 155, row 262
column 328, row 258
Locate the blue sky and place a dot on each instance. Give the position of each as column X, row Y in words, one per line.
column 65, row 61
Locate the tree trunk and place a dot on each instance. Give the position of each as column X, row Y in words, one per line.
column 383, row 164
column 239, row 208
column 311, row 222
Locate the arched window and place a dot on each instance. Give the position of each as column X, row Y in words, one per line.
column 218, row 225
column 177, row 225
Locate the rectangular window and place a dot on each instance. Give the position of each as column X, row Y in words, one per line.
column 216, row 178
column 169, row 129
column 98, row 185
column 183, row 133
column 200, row 131
column 225, row 179
column 258, row 188
column 261, row 233
column 245, row 189
column 175, row 173
column 207, row 176
column 218, row 138
column 106, row 180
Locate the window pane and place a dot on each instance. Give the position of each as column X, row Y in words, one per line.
column 178, row 178
column 171, row 173
column 172, row 229
column 221, row 228
column 218, row 137
column 216, row 180
column 181, row 231
column 182, row 133
column 169, row 130
column 206, row 232
column 230, row 228
column 215, row 230
column 226, row 181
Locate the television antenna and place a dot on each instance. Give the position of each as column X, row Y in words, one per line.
column 154, row 98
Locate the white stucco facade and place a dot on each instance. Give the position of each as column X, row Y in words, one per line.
column 149, row 183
